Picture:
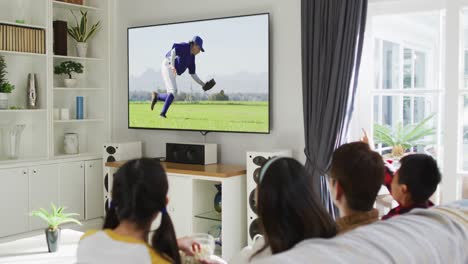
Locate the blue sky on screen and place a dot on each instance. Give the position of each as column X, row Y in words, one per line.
column 232, row 45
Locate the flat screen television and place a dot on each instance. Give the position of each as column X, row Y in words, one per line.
column 170, row 67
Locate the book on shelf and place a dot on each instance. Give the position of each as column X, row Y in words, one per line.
column 22, row 39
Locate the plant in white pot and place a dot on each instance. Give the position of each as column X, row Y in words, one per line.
column 54, row 219
column 5, row 87
column 67, row 68
column 81, row 33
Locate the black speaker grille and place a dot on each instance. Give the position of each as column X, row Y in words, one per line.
column 106, row 182
column 252, row 201
column 110, row 150
column 110, row 159
column 259, row 160
column 254, row 228
column 185, row 153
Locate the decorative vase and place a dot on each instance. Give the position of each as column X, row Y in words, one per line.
column 3, row 101
column 82, row 49
column 53, row 239
column 70, row 83
column 14, row 141
column 71, row 143
column 217, row 199
column 32, row 91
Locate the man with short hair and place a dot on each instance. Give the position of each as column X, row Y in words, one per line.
column 356, row 176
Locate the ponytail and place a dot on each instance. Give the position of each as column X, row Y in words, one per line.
column 164, row 239
column 111, row 221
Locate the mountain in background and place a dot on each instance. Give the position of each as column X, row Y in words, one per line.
column 242, row 82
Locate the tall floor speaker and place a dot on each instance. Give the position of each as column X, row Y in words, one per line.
column 255, row 161
column 117, row 152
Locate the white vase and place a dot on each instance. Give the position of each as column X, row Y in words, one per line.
column 3, row 100
column 70, row 83
column 82, row 49
column 70, row 143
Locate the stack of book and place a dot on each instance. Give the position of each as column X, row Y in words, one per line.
column 22, row 39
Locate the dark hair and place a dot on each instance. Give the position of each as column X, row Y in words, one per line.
column 420, row 173
column 288, row 207
column 360, row 172
column 139, row 191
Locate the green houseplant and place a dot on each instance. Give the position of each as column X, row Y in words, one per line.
column 54, row 219
column 67, row 68
column 5, row 87
column 81, row 33
column 402, row 137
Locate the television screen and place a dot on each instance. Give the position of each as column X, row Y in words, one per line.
column 209, row 75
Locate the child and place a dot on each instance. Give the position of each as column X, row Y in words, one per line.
column 138, row 195
column 413, row 183
column 356, row 176
column 288, row 208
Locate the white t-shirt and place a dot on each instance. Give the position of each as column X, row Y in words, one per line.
column 106, row 246
column 246, row 253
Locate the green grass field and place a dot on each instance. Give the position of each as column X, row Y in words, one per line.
column 204, row 115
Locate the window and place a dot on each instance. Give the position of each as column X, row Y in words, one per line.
column 401, row 96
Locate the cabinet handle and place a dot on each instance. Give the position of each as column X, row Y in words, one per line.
column 25, row 172
column 34, row 171
column 91, row 165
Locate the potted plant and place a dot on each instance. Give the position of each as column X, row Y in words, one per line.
column 81, row 33
column 402, row 137
column 69, row 67
column 54, row 219
column 5, row 87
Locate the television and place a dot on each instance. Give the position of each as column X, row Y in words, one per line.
column 205, row 75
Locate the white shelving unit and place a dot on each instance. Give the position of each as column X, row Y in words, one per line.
column 43, row 136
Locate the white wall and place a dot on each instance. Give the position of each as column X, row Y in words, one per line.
column 286, row 85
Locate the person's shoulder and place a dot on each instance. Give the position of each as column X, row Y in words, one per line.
column 156, row 258
column 89, row 233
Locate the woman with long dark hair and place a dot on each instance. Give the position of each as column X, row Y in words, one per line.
column 139, row 195
column 288, row 208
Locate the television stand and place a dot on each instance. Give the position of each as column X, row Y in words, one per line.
column 191, row 201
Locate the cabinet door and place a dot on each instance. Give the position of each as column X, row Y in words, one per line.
column 14, row 201
column 180, row 204
column 72, row 187
column 43, row 190
column 94, row 196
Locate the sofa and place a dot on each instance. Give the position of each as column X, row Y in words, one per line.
column 436, row 235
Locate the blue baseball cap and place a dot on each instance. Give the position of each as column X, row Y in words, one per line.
column 199, row 42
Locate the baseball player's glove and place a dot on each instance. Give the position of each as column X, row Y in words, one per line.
column 209, row 84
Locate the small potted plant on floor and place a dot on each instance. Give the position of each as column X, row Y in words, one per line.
column 402, row 137
column 67, row 68
column 54, row 219
column 5, row 87
column 82, row 34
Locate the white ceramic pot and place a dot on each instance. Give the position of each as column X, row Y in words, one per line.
column 3, row 101
column 70, row 83
column 82, row 49
column 71, row 143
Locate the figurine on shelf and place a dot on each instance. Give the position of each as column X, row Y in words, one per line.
column 217, row 199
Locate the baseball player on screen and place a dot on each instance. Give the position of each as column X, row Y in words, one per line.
column 176, row 62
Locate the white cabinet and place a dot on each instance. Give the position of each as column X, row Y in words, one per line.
column 180, row 204
column 13, row 201
column 43, row 190
column 94, row 205
column 72, row 187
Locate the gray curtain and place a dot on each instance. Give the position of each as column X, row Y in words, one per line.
column 332, row 40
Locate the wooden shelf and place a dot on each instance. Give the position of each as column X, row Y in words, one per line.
column 59, row 4
column 21, row 25
column 23, row 111
column 77, row 89
column 212, row 170
column 78, row 121
column 76, row 58
column 22, row 53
